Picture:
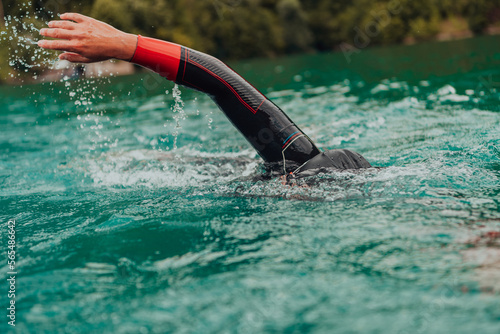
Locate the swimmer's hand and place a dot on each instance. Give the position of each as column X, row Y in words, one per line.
column 86, row 40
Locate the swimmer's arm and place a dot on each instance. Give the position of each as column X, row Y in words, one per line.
column 268, row 129
column 86, row 40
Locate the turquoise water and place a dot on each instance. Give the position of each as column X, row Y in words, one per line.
column 137, row 213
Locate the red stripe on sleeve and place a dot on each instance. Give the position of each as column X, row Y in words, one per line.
column 160, row 56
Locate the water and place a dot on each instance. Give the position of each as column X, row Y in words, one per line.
column 118, row 231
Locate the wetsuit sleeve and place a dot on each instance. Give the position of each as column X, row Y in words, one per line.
column 268, row 129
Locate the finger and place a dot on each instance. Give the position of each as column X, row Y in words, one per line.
column 74, row 17
column 62, row 25
column 74, row 57
column 57, row 33
column 56, row 45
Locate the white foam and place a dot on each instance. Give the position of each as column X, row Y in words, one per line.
column 446, row 90
column 379, row 88
column 151, row 169
column 455, row 98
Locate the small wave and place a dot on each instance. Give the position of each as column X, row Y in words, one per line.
column 149, row 168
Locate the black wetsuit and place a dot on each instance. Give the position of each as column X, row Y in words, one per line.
column 268, row 129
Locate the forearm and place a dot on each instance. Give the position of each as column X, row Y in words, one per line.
column 264, row 125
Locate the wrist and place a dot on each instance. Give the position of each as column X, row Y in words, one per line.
column 126, row 45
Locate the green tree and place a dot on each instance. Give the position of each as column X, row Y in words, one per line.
column 329, row 22
column 247, row 31
column 115, row 12
column 2, row 18
column 19, row 54
column 244, row 28
column 296, row 33
column 476, row 12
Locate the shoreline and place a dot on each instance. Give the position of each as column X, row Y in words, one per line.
column 65, row 70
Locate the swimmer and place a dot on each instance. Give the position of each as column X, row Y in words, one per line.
column 283, row 146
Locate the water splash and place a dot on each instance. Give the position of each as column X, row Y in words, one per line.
column 26, row 61
column 178, row 110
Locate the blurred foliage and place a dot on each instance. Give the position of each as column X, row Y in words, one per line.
column 232, row 29
column 18, row 54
